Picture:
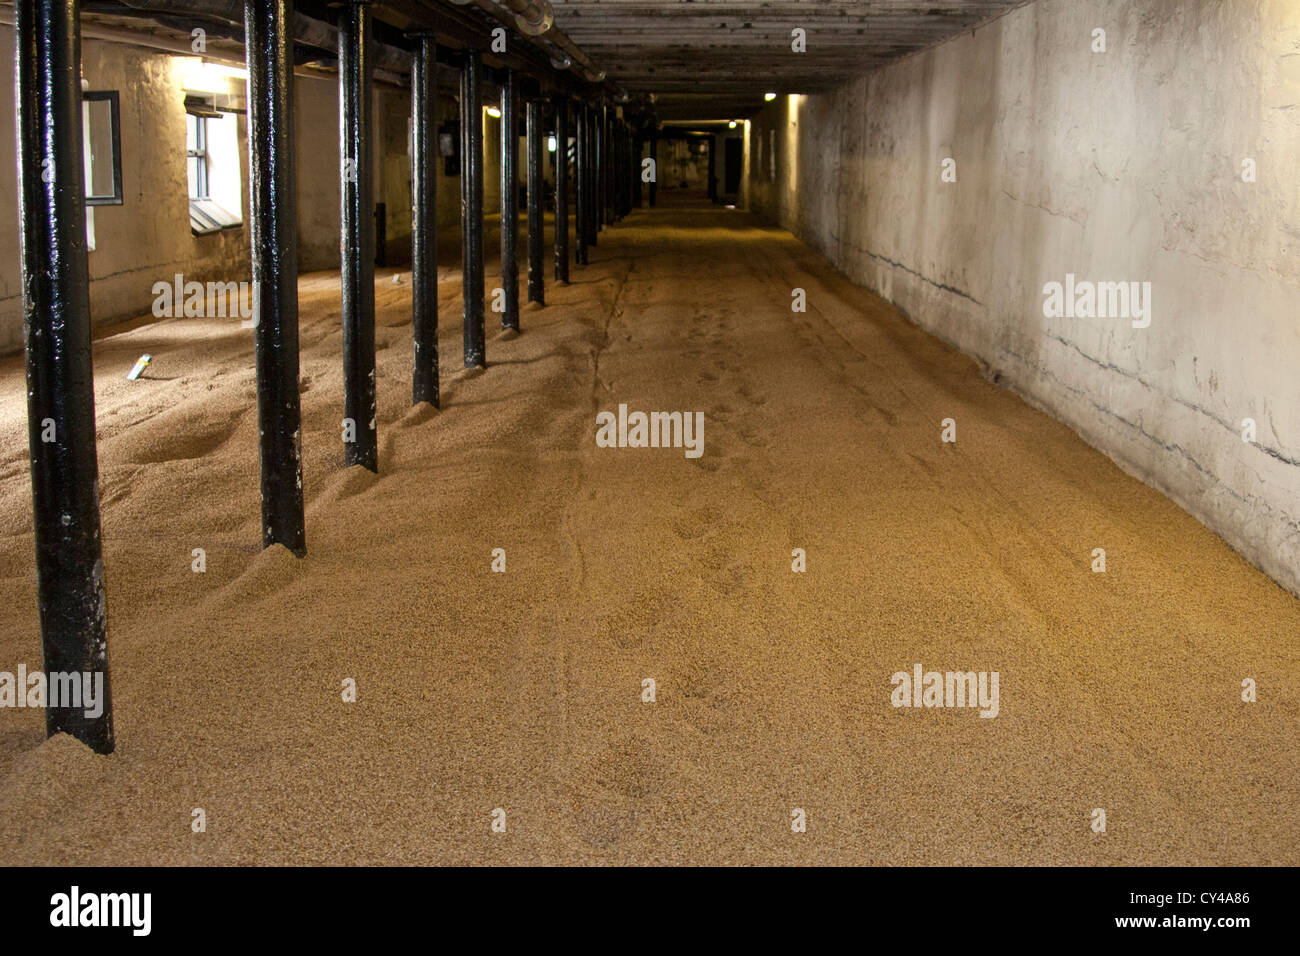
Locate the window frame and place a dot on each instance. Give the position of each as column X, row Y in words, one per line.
column 207, row 216
column 115, row 123
column 200, row 152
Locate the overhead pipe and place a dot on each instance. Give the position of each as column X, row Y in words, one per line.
column 60, row 377
column 389, row 61
column 532, row 18
column 306, row 30
column 536, row 19
column 233, row 58
column 466, row 31
column 231, row 11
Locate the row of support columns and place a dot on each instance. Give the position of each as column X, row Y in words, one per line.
column 61, row 414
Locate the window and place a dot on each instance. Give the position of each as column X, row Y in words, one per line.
column 212, row 166
column 196, row 149
column 102, row 147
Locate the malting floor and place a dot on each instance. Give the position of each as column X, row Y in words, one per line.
column 523, row 690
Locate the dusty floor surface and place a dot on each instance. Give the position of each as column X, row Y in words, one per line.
column 522, row 690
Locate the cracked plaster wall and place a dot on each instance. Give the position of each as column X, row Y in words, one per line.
column 1117, row 166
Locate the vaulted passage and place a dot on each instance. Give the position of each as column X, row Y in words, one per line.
column 640, row 432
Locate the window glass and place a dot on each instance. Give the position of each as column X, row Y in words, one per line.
column 213, row 157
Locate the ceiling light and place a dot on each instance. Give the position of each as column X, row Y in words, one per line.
column 493, row 112
column 731, row 125
column 769, row 96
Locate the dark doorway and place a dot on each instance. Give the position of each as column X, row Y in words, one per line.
column 731, row 164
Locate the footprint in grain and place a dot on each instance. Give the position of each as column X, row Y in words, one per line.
column 629, row 626
column 607, row 790
column 695, row 524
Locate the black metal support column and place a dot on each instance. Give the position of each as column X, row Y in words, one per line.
column 654, row 166
column 638, row 147
column 713, row 168
column 611, row 180
column 590, row 159
column 357, row 235
column 561, row 189
column 268, row 27
column 633, row 180
column 626, row 171
column 580, row 230
column 509, row 203
column 536, row 136
column 60, row 382
column 471, row 207
column 424, row 224
column 615, row 157
column 620, row 172
column 611, row 159
column 628, row 178
column 602, row 162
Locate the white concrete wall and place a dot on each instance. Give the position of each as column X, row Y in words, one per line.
column 1122, row 165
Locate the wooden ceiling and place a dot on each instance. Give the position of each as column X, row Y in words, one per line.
column 713, row 58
